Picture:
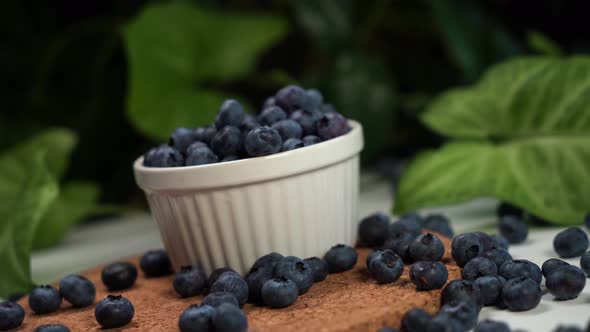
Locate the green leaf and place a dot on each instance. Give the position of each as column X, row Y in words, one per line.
column 531, row 117
column 175, row 48
column 542, row 44
column 76, row 201
column 27, row 190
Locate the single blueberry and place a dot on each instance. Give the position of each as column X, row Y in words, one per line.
column 521, row 268
column 288, row 129
column 498, row 256
column 255, row 280
column 200, row 156
column 416, row 320
column 216, row 299
column 385, row 266
column 268, row 102
column 291, row 97
column 189, row 281
column 279, row 292
column 571, row 242
column 461, row 290
column 442, row 322
column 513, row 228
column 44, row 299
column 585, row 263
column 521, row 293
column 310, row 140
column 403, row 226
column 263, row 141
column 268, row 260
column 114, row 311
column 566, row 282
column 296, row 270
column 52, row 328
column 428, row 275
column 248, row 124
column 462, row 311
column 155, row 263
column 231, row 113
column 332, row 125
column 271, row 115
column 374, row 229
column 204, row 134
column 196, row 318
column 291, row 144
column 490, row 288
column 341, row 258
column 551, row 265
column 308, row 120
column 479, row 267
column 492, row 326
column 426, row 247
column 11, row 315
column 181, row 138
column 498, row 241
column 229, row 318
column 401, row 246
column 163, row 156
column 118, row 276
column 77, row 290
column 314, row 99
column 227, row 141
column 217, row 273
column 319, row 267
column 465, row 247
column 507, row 209
column 438, row 223
column 233, row 283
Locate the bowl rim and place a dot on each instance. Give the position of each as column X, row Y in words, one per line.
column 250, row 170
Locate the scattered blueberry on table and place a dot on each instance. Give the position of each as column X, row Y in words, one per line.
column 428, row 275
column 189, row 281
column 77, row 290
column 571, row 242
column 114, row 311
column 279, row 292
column 44, row 299
column 119, row 276
column 52, row 328
column 296, row 270
column 385, row 266
column 513, row 228
column 155, row 263
column 11, row 315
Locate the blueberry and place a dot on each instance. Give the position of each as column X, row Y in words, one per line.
column 200, row 156
column 307, row 119
column 490, row 289
column 291, row 144
column 255, row 280
column 401, row 246
column 461, row 290
column 442, row 322
column 233, row 283
column 288, row 129
column 296, row 270
column 231, row 113
column 566, row 282
column 500, row 242
column 521, row 293
column 118, row 276
column 279, row 292
column 268, row 102
column 189, row 281
column 155, row 263
column 248, row 124
column 513, row 229
column 492, row 326
column 428, row 275
column 181, row 138
column 196, row 318
column 341, row 258
column 216, row 299
column 44, row 299
column 271, row 115
column 227, row 141
column 291, row 97
column 416, row 320
column 263, row 141
column 205, row 134
column 332, row 125
column 314, row 99
column 11, row 315
column 551, row 265
column 507, row 209
column 572, row 242
column 77, row 290
column 268, row 260
column 114, row 311
column 217, row 273
column 163, row 156
column 466, row 247
column 310, row 140
column 426, row 247
column 229, row 318
column 319, row 267
column 229, row 158
column 562, row 328
column 585, row 263
column 521, row 268
column 404, row 226
column 498, row 256
column 374, row 229
column 462, row 311
column 485, row 240
column 385, row 266
column 438, row 223
column 196, row 144
column 479, row 267
column 52, row 328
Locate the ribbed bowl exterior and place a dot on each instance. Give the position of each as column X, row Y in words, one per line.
column 301, row 215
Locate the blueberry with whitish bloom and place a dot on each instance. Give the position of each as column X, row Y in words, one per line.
column 428, row 275
column 291, row 144
column 514, row 229
column 571, row 242
column 332, row 125
column 233, row 283
column 231, row 113
column 279, row 292
column 271, row 115
column 163, row 156
column 438, row 223
column 216, row 299
column 263, row 141
column 229, row 318
column 189, row 281
column 114, row 311
column 291, row 98
column 340, row 258
column 155, row 263
column 200, row 156
column 217, row 273
column 319, row 267
column 465, row 247
column 385, row 266
column 551, row 265
column 307, row 119
column 313, row 100
column 521, row 268
column 479, row 267
column 490, row 288
column 11, row 315
column 227, row 141
column 374, row 229
column 521, row 294
column 288, row 129
column 416, row 320
column 566, row 282
column 296, row 270
column 462, row 290
column 196, row 318
column 77, row 290
column 498, row 256
column 44, row 299
column 181, row 138
column 426, row 247
column 310, row 140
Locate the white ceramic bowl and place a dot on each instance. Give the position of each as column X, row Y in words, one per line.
column 299, row 203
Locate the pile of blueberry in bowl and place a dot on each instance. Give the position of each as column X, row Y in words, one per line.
column 291, row 119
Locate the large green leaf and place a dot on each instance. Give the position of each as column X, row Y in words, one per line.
column 174, row 48
column 528, row 122
column 27, row 190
